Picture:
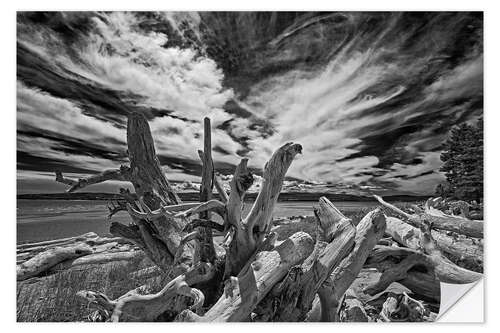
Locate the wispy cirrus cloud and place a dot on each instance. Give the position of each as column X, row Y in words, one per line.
column 117, row 55
column 371, row 105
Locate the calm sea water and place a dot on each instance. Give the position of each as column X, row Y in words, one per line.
column 51, row 219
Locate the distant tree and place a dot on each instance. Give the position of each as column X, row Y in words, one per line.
column 463, row 163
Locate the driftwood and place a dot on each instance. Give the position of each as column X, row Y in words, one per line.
column 123, row 174
column 395, row 265
column 399, row 307
column 430, row 263
column 430, row 250
column 338, row 256
column 292, row 299
column 252, row 278
column 97, row 244
column 30, row 250
column 61, row 241
column 159, row 238
column 439, row 220
column 47, row 259
column 445, row 269
column 206, row 249
column 255, row 280
column 368, row 232
column 352, row 309
column 99, row 258
column 135, row 307
column 161, row 225
column 464, row 249
column 247, row 234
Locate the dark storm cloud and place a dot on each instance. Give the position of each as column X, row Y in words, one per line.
column 27, row 161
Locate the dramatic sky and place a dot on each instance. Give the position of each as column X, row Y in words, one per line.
column 370, row 96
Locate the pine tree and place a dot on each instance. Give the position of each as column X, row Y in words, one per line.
column 463, row 163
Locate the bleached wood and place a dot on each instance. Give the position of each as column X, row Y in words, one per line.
column 328, row 303
column 261, row 281
column 465, row 249
column 99, row 258
column 143, row 308
column 220, row 189
column 302, row 283
column 260, row 215
column 368, row 232
column 205, row 207
column 239, row 247
column 121, row 174
column 399, row 307
column 397, row 272
column 240, row 183
column 352, row 309
column 27, row 247
column 205, row 250
column 255, row 280
column 47, row 259
column 250, row 232
column 440, row 221
column 445, row 270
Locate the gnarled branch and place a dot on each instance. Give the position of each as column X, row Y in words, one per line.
column 122, row 174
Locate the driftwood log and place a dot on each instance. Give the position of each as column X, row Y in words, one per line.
column 255, row 278
column 446, row 270
column 368, row 232
column 48, row 259
column 422, row 251
column 465, row 249
column 439, row 220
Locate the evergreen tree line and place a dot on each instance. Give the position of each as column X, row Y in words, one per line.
column 463, row 163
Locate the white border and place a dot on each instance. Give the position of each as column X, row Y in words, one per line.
column 8, row 140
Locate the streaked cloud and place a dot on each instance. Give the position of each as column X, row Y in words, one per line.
column 370, row 96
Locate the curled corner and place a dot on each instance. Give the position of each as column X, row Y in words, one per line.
column 451, row 294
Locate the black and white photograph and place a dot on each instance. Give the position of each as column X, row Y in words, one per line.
column 247, row 166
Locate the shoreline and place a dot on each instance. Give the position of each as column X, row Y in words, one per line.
column 39, row 220
column 194, row 196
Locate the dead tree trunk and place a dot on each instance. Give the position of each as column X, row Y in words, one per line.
column 159, row 237
column 206, row 242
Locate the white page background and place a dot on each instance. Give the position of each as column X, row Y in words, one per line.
column 462, row 303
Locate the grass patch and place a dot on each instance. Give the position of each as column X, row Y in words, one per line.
column 52, row 298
